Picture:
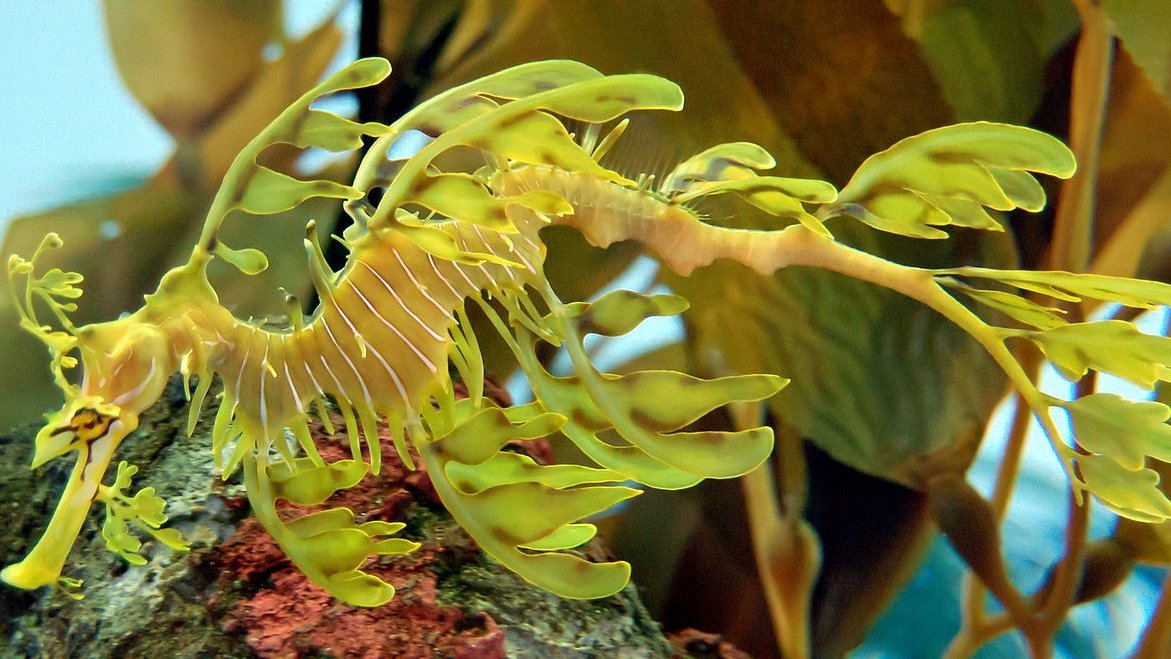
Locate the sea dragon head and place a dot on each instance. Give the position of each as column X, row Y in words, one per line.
column 124, row 369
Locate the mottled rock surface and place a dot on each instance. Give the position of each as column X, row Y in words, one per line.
column 236, row 595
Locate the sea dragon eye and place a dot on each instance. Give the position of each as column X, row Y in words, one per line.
column 89, row 424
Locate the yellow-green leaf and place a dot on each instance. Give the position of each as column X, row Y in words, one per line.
column 946, row 175
column 777, row 196
column 620, row 311
column 250, row 261
column 604, row 99
column 272, row 192
column 1017, row 307
column 1109, row 346
column 507, row 468
column 547, row 509
column 722, row 162
column 1073, row 287
column 1130, row 493
column 329, row 131
column 566, row 537
column 462, row 197
column 478, row 438
column 1124, row 430
column 308, row 485
column 439, row 243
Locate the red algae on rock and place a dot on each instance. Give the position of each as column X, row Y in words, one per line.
column 281, row 613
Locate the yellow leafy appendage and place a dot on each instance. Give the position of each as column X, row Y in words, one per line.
column 439, row 237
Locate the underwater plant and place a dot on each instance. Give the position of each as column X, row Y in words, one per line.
column 459, row 222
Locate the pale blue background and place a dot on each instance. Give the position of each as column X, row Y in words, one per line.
column 68, row 128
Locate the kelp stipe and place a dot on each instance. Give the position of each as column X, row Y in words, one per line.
column 394, row 317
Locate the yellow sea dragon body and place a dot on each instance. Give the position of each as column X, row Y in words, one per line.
column 439, row 236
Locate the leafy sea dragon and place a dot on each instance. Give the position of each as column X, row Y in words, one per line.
column 432, row 235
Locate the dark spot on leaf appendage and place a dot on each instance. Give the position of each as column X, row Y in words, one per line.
column 881, row 188
column 547, row 158
column 503, row 535
column 466, row 102
column 628, row 100
column 422, row 184
column 711, row 437
column 509, row 122
column 586, row 326
column 480, row 143
column 949, row 158
column 649, row 422
column 544, row 85
column 294, row 130
column 582, row 419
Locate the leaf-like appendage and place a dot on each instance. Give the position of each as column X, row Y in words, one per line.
column 464, row 198
column 1130, row 493
column 1073, row 287
column 483, row 433
column 332, row 546
column 326, row 130
column 248, row 260
column 620, row 311
column 668, row 400
column 509, row 468
column 307, row 484
column 270, row 192
column 459, row 105
column 730, row 168
column 329, row 546
column 536, row 138
column 604, row 99
column 1019, row 308
column 123, row 476
column 120, row 540
column 255, row 189
column 485, row 498
column 566, row 537
column 947, row 175
column 645, row 407
column 437, row 242
column 1108, row 346
column 144, row 510
column 50, row 288
column 583, row 423
column 782, row 197
column 1126, row 431
column 723, row 162
column 524, row 131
